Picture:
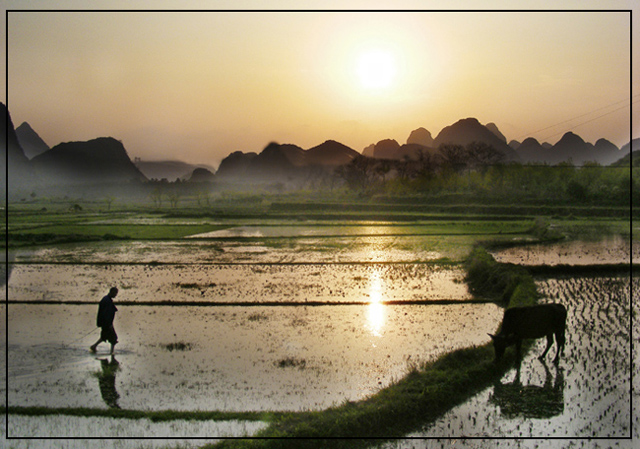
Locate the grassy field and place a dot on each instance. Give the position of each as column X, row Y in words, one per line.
column 41, row 221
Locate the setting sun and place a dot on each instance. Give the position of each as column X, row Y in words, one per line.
column 376, row 69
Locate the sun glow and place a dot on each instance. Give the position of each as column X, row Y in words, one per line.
column 376, row 310
column 376, row 69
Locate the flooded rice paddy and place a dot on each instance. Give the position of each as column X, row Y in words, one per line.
column 254, row 283
column 245, row 339
column 608, row 250
column 86, row 432
column 230, row 358
column 587, row 395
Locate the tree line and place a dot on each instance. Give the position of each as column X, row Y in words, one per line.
column 477, row 170
column 481, row 170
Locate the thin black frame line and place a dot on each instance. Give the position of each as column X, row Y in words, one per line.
column 311, row 11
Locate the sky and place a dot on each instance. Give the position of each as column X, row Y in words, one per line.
column 198, row 85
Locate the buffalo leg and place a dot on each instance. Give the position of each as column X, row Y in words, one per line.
column 560, row 343
column 549, row 343
column 518, row 346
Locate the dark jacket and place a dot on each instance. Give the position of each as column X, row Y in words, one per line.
column 106, row 312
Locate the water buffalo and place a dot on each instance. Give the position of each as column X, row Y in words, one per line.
column 545, row 320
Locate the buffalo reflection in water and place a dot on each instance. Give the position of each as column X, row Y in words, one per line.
column 530, row 401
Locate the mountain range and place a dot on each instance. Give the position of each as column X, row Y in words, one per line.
column 169, row 170
column 101, row 160
column 569, row 147
column 285, row 160
column 105, row 160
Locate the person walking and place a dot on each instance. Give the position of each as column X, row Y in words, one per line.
column 106, row 313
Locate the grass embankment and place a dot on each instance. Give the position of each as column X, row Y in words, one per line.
column 154, row 416
column 419, row 398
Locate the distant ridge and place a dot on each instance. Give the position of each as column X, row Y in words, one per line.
column 30, row 141
column 570, row 147
column 169, row 170
column 96, row 161
column 285, row 161
column 12, row 159
column 468, row 130
column 105, row 160
column 330, row 154
column 421, row 137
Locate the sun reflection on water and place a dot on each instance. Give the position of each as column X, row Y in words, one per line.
column 376, row 310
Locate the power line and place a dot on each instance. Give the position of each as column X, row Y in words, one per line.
column 591, row 120
column 583, row 115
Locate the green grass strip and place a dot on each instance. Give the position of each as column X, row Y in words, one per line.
column 155, row 416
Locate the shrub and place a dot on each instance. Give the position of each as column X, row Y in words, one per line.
column 508, row 283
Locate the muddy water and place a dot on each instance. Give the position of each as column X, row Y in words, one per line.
column 230, row 358
column 238, row 283
column 238, row 249
column 587, row 395
column 607, row 250
column 132, row 434
column 280, row 358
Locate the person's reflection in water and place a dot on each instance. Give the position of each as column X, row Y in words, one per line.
column 107, row 381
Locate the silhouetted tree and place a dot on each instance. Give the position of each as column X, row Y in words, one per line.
column 174, row 197
column 109, row 200
column 426, row 165
column 382, row 169
column 156, row 196
column 357, row 173
column 482, row 155
column 453, row 156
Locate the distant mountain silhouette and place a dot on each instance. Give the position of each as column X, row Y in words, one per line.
column 573, row 147
column 169, row 170
column 391, row 149
column 235, row 165
column 494, row 129
column 387, row 149
column 606, row 152
column 368, row 151
column 12, row 158
column 201, row 175
column 272, row 162
column 330, row 154
column 569, row 147
column 468, row 130
column 105, row 160
column 630, row 156
column 284, row 161
column 293, row 153
column 413, row 150
column 632, row 146
column 30, row 141
column 530, row 150
column 421, row 137
column 102, row 160
column 463, row 132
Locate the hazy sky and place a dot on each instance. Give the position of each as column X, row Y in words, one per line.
column 197, row 86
